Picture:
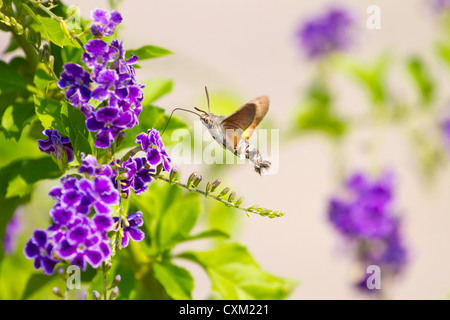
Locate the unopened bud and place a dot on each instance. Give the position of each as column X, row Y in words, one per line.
column 214, row 185
column 114, row 293
column 57, row 292
column 96, row 295
column 197, row 181
column 224, row 192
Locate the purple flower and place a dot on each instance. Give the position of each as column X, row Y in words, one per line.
column 440, row 5
column 138, row 177
column 64, row 220
column 131, row 231
column 78, row 81
column 59, row 147
column 40, row 248
column 104, row 23
column 152, row 144
column 99, row 193
column 83, row 246
column 366, row 213
column 97, row 54
column 325, row 34
column 109, row 88
column 124, row 67
column 109, row 121
column 13, row 228
column 88, row 165
column 365, row 218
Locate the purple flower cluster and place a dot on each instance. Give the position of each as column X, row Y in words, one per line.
column 104, row 23
column 57, row 146
column 111, row 81
column 76, row 235
column 365, row 218
column 326, row 33
column 152, row 144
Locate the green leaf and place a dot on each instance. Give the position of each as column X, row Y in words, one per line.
column 15, row 118
column 49, row 113
column 51, row 30
column 75, row 124
column 236, row 276
column 422, row 80
column 316, row 114
column 156, row 88
column 19, row 173
column 177, row 220
column 372, row 76
column 10, row 79
column 177, row 281
column 148, row 52
column 170, row 215
column 36, row 282
column 443, row 51
column 42, row 79
column 26, row 170
column 17, row 187
column 213, row 233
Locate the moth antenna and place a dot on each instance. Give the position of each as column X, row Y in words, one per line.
column 170, row 117
column 207, row 98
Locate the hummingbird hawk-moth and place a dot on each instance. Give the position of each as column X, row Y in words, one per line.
column 233, row 132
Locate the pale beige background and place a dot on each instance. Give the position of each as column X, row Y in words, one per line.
column 248, row 47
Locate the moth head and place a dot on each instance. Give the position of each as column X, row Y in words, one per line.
column 205, row 117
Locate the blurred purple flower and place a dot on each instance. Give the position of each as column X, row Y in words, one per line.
column 440, row 5
column 445, row 127
column 365, row 217
column 59, row 147
column 104, row 23
column 13, row 228
column 326, row 33
column 131, row 231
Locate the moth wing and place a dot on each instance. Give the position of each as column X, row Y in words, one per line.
column 262, row 106
column 235, row 124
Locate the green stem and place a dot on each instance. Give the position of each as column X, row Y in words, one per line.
column 130, row 153
column 72, row 36
column 253, row 209
column 105, row 286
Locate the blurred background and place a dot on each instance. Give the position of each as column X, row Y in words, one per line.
column 243, row 49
